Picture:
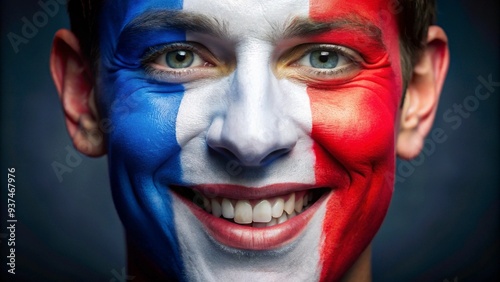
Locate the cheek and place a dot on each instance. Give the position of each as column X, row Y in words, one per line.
column 355, row 123
column 353, row 129
column 141, row 138
column 143, row 119
column 148, row 132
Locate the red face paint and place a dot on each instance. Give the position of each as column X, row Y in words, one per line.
column 354, row 130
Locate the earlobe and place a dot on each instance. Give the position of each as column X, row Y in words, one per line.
column 409, row 141
column 422, row 94
column 74, row 83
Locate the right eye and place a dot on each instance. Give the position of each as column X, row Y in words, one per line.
column 181, row 62
column 180, row 59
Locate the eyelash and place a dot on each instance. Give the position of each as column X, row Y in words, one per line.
column 306, row 74
column 178, row 75
column 156, row 51
column 354, row 59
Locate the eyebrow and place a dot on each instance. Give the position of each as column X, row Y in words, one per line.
column 300, row 27
column 180, row 20
column 296, row 27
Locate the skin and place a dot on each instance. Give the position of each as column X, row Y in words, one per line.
column 252, row 98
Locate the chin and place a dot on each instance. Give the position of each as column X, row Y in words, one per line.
column 285, row 231
column 259, row 242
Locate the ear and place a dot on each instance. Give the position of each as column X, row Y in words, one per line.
column 422, row 94
column 74, row 82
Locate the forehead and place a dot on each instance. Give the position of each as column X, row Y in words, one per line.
column 243, row 15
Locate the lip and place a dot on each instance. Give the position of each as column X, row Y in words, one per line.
column 246, row 237
column 250, row 193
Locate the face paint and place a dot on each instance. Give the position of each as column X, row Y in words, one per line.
column 220, row 105
column 142, row 114
column 353, row 122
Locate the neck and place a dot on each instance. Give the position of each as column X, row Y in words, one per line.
column 361, row 270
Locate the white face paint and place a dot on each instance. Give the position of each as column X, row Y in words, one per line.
column 234, row 117
column 205, row 259
column 252, row 114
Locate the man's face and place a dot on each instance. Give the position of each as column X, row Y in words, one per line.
column 251, row 138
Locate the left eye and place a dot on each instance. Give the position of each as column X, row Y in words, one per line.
column 320, row 64
column 323, row 59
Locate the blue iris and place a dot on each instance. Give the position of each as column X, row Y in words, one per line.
column 324, row 59
column 179, row 59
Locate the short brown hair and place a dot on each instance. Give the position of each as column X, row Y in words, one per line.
column 414, row 18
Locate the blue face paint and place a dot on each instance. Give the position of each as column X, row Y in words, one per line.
column 143, row 139
column 232, row 106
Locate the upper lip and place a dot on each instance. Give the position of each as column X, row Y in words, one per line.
column 249, row 193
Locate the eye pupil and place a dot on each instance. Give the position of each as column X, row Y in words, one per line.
column 179, row 59
column 180, row 56
column 324, row 59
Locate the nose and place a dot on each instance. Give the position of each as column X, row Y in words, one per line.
column 254, row 130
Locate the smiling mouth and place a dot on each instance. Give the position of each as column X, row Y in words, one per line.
column 253, row 218
column 258, row 213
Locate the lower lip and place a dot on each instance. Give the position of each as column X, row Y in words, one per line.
column 251, row 238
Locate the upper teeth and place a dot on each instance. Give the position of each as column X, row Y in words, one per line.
column 260, row 213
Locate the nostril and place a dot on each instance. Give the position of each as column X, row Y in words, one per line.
column 250, row 147
column 226, row 152
column 274, row 155
column 256, row 162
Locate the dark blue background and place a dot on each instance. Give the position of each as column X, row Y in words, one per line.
column 443, row 223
